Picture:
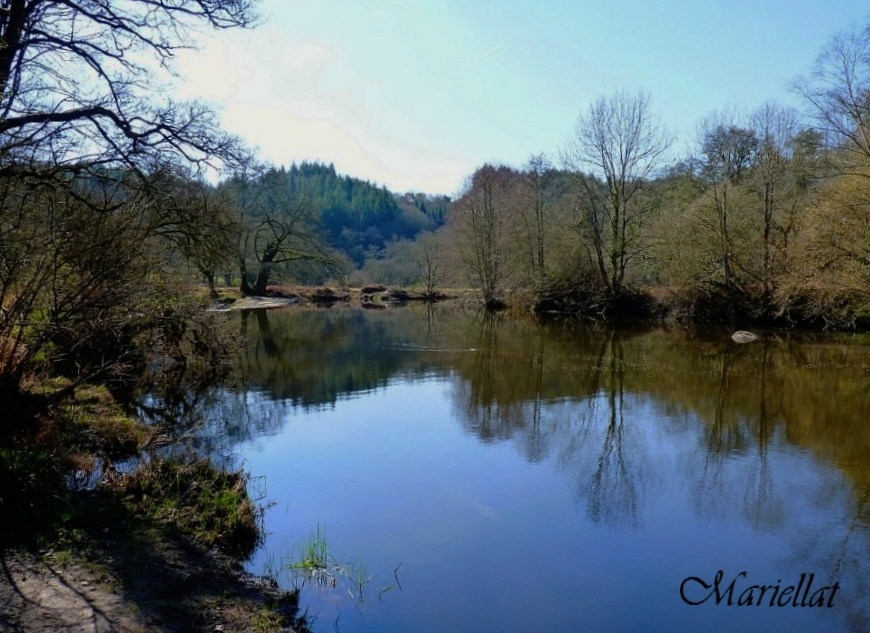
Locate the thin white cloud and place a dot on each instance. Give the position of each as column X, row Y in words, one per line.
column 470, row 64
column 284, row 135
column 259, row 65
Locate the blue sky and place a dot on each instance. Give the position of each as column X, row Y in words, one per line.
column 416, row 94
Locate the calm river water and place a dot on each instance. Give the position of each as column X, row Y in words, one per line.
column 482, row 474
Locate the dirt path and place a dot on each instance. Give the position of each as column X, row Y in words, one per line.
column 189, row 591
column 38, row 597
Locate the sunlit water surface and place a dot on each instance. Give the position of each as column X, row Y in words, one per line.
column 475, row 474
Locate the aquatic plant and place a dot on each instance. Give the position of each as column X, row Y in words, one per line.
column 315, row 566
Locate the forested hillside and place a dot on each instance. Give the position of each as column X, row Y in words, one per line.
column 307, row 224
column 762, row 219
column 357, row 217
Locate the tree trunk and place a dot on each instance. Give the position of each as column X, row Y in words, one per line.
column 265, row 271
column 262, row 281
column 212, row 289
column 245, row 286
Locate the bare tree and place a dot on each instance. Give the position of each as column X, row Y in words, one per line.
column 537, row 171
column 76, row 87
column 482, row 217
column 837, row 93
column 619, row 143
column 198, row 221
column 776, row 186
column 429, row 261
column 84, row 130
column 752, row 175
column 277, row 227
column 65, row 299
column 728, row 151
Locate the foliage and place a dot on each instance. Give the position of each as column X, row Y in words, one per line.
column 344, row 217
column 831, row 267
column 738, row 205
column 395, row 265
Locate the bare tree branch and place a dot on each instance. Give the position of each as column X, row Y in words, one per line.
column 76, row 86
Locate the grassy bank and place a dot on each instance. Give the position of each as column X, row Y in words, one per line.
column 153, row 546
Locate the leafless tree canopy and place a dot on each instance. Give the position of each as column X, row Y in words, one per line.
column 838, row 91
column 96, row 194
column 619, row 142
column 77, row 81
column 483, row 217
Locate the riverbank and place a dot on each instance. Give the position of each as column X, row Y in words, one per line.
column 652, row 304
column 113, row 566
column 100, row 533
column 134, row 583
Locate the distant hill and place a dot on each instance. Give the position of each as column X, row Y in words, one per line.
column 358, row 217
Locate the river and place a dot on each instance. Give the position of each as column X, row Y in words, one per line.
column 466, row 473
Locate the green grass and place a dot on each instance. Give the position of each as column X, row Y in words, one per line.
column 207, row 503
column 267, row 621
column 317, row 568
column 314, row 553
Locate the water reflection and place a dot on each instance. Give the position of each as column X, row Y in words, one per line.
column 771, row 437
column 511, row 381
column 311, row 357
column 617, row 485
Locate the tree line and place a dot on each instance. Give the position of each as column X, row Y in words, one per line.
column 766, row 218
column 762, row 220
column 105, row 204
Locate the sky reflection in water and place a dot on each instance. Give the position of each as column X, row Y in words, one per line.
column 556, row 478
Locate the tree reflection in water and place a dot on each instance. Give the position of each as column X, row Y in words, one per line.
column 501, row 393
column 614, row 489
column 620, row 414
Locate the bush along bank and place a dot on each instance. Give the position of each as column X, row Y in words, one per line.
column 805, row 310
